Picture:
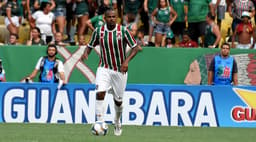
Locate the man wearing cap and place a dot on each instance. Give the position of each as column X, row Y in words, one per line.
column 245, row 32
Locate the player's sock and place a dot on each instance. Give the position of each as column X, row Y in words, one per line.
column 119, row 110
column 99, row 110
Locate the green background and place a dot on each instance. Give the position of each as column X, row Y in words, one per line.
column 150, row 66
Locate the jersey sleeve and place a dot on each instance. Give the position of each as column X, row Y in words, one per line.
column 38, row 63
column 129, row 38
column 94, row 39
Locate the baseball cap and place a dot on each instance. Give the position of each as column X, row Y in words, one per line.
column 246, row 14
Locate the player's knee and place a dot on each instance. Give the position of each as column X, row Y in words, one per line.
column 100, row 95
column 118, row 103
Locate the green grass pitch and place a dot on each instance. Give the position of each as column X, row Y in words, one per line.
column 81, row 133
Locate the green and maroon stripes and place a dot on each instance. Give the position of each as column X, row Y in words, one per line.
column 113, row 45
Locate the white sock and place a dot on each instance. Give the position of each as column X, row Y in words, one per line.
column 119, row 110
column 99, row 110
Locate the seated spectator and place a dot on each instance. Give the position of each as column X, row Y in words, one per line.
column 2, row 72
column 212, row 32
column 51, row 68
column 81, row 40
column 245, row 32
column 59, row 40
column 105, row 4
column 187, row 41
column 13, row 39
column 44, row 20
column 140, row 37
column 169, row 40
column 35, row 37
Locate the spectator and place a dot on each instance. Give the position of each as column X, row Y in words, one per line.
column 44, row 20
column 95, row 21
column 131, row 6
column 60, row 14
column 237, row 7
column 82, row 13
column 212, row 33
column 81, row 40
column 35, row 37
column 140, row 38
column 71, row 21
column 245, row 32
column 219, row 6
column 2, row 72
column 13, row 16
column 51, row 69
column 149, row 6
column 195, row 12
column 59, row 39
column 170, row 39
column 187, row 41
column 105, row 4
column 163, row 16
column 179, row 24
column 223, row 68
column 13, row 39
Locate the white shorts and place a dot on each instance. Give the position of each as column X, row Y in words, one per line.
column 15, row 20
column 112, row 81
column 243, row 46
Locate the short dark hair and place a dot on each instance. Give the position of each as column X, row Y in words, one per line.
column 225, row 43
column 108, row 9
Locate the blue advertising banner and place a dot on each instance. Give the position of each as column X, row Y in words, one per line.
column 144, row 104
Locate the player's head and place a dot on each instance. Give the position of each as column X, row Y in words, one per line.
column 51, row 50
column 110, row 17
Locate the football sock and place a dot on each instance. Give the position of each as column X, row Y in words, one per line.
column 99, row 105
column 119, row 110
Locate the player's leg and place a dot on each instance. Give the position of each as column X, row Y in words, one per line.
column 102, row 85
column 119, row 84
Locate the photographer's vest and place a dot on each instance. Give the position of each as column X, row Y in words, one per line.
column 223, row 70
column 48, row 70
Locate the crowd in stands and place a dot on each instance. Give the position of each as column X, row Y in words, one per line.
column 159, row 23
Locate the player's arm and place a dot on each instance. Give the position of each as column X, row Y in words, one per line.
column 93, row 42
column 135, row 48
column 124, row 66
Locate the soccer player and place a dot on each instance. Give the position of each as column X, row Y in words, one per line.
column 111, row 74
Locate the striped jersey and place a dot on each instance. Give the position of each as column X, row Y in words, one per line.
column 112, row 45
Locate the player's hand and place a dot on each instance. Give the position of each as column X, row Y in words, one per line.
column 85, row 56
column 124, row 67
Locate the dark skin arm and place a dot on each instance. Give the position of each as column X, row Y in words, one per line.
column 210, row 77
column 124, row 66
column 235, row 79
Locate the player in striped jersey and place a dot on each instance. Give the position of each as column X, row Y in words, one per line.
column 111, row 74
